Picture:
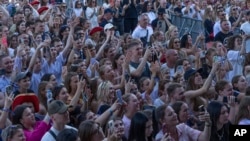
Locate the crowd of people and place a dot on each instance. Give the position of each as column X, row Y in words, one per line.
column 119, row 70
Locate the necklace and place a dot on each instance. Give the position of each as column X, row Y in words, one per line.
column 220, row 136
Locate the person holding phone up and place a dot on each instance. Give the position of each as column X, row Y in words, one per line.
column 172, row 130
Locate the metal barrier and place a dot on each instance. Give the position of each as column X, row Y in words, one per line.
column 192, row 26
column 187, row 25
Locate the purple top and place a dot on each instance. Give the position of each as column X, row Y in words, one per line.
column 40, row 129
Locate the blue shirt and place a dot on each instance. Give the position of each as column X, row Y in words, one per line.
column 4, row 81
column 56, row 67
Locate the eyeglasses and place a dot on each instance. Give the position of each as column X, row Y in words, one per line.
column 235, row 9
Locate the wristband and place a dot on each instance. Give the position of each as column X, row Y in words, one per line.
column 6, row 110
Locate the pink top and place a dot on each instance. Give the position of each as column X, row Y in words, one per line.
column 187, row 133
column 40, row 129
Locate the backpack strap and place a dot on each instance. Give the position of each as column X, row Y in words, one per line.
column 52, row 133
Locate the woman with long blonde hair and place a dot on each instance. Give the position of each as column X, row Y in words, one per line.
column 171, row 33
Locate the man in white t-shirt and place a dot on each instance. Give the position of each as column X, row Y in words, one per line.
column 171, row 58
column 143, row 31
column 59, row 115
column 245, row 27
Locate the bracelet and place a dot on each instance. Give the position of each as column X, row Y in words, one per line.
column 6, row 110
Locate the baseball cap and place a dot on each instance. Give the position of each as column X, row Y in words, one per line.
column 22, row 75
column 191, row 72
column 108, row 26
column 57, row 106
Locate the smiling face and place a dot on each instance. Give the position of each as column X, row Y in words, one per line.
column 241, row 84
column 28, row 118
column 133, row 104
column 24, row 83
column 170, row 117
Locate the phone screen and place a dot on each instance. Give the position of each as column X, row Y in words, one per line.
column 119, row 95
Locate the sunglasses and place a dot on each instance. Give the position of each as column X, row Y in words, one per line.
column 177, row 42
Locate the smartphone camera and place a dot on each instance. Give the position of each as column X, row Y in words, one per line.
column 201, row 108
column 119, row 95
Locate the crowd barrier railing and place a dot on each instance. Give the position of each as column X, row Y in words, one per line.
column 191, row 25
column 187, row 25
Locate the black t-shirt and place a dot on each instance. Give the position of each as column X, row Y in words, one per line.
column 222, row 134
column 222, row 36
column 145, row 72
column 103, row 22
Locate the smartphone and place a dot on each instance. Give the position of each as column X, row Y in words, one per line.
column 9, row 90
column 226, row 101
column 111, row 126
column 154, row 57
column 85, row 97
column 21, row 41
column 179, row 69
column 202, row 54
column 216, row 59
column 119, row 95
column 201, row 108
column 49, row 96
